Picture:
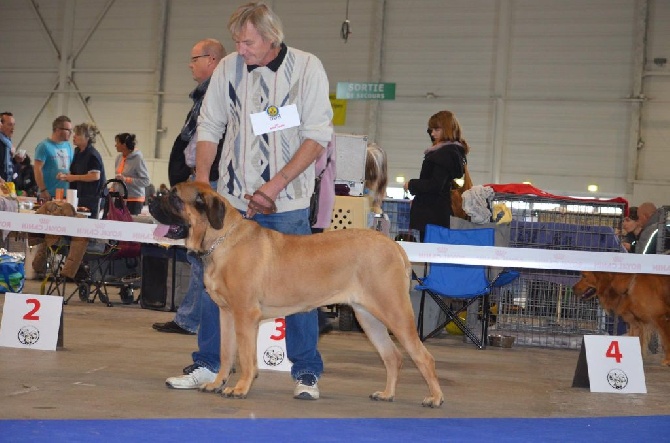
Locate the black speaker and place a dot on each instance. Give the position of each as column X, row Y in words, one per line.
column 154, row 282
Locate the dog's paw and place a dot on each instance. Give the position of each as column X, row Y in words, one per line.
column 380, row 396
column 432, row 402
column 211, row 387
column 232, row 393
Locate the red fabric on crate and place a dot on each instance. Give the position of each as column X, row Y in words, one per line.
column 526, row 189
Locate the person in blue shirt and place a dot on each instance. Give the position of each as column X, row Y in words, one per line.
column 53, row 156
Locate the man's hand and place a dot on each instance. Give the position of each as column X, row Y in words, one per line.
column 260, row 203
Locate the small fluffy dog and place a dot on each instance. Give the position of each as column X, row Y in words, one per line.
column 376, row 175
column 254, row 273
column 641, row 300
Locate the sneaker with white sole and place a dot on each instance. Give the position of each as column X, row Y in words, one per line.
column 196, row 378
column 306, row 388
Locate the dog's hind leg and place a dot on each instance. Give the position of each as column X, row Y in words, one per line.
column 401, row 322
column 227, row 352
column 663, row 325
column 391, row 356
column 636, row 329
column 424, row 361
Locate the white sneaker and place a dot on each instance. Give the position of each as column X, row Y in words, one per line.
column 198, row 377
column 306, row 388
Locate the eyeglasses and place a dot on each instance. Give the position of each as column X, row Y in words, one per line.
column 65, row 129
column 195, row 58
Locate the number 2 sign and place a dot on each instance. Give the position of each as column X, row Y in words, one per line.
column 615, row 364
column 30, row 321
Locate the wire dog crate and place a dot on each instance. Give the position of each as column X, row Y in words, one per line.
column 540, row 308
column 398, row 213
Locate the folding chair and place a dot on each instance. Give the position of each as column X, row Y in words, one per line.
column 467, row 283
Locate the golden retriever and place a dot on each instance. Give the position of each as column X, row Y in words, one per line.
column 641, row 300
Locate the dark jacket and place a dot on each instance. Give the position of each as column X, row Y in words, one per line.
column 647, row 242
column 6, row 162
column 25, row 178
column 179, row 171
column 432, row 190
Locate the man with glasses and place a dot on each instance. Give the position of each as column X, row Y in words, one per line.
column 54, row 155
column 205, row 56
column 6, row 147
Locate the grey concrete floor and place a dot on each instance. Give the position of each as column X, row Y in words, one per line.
column 113, row 365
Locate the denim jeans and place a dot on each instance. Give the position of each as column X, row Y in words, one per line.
column 188, row 314
column 302, row 330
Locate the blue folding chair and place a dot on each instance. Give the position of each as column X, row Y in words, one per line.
column 468, row 283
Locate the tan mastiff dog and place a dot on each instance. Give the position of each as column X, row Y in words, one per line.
column 253, row 273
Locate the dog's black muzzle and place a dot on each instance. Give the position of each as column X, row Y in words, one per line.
column 166, row 210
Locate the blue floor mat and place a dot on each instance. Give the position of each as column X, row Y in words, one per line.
column 591, row 429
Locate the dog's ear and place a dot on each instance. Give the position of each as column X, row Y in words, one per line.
column 213, row 207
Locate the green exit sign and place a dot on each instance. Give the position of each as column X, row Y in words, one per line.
column 365, row 91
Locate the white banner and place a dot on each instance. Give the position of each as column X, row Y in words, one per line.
column 417, row 252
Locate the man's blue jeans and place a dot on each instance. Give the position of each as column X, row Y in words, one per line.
column 302, row 330
column 188, row 314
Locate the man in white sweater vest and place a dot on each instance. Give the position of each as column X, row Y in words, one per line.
column 272, row 102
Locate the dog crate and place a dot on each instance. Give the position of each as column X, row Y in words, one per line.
column 398, row 214
column 350, row 212
column 540, row 308
column 350, row 166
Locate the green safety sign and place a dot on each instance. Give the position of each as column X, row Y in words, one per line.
column 365, row 91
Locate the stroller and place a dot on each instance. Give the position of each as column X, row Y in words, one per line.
column 99, row 267
column 114, row 208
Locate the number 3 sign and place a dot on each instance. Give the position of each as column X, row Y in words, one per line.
column 30, row 321
column 271, row 345
column 615, row 364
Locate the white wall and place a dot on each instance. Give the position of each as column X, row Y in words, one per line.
column 546, row 91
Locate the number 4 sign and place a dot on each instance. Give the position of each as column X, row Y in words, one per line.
column 30, row 321
column 614, row 364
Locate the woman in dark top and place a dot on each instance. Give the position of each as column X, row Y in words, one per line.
column 443, row 162
column 87, row 173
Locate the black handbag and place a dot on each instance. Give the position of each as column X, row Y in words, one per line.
column 314, row 200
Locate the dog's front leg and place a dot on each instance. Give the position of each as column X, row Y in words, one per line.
column 246, row 330
column 227, row 352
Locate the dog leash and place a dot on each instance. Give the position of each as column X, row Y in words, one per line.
column 217, row 242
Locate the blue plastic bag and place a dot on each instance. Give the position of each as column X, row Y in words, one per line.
column 12, row 274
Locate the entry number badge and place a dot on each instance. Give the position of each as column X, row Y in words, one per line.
column 615, row 364
column 275, row 119
column 271, row 345
column 31, row 321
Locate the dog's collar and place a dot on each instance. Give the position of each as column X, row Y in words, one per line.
column 217, row 242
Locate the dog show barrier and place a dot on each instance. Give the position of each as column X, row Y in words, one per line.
column 417, row 252
column 563, row 324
